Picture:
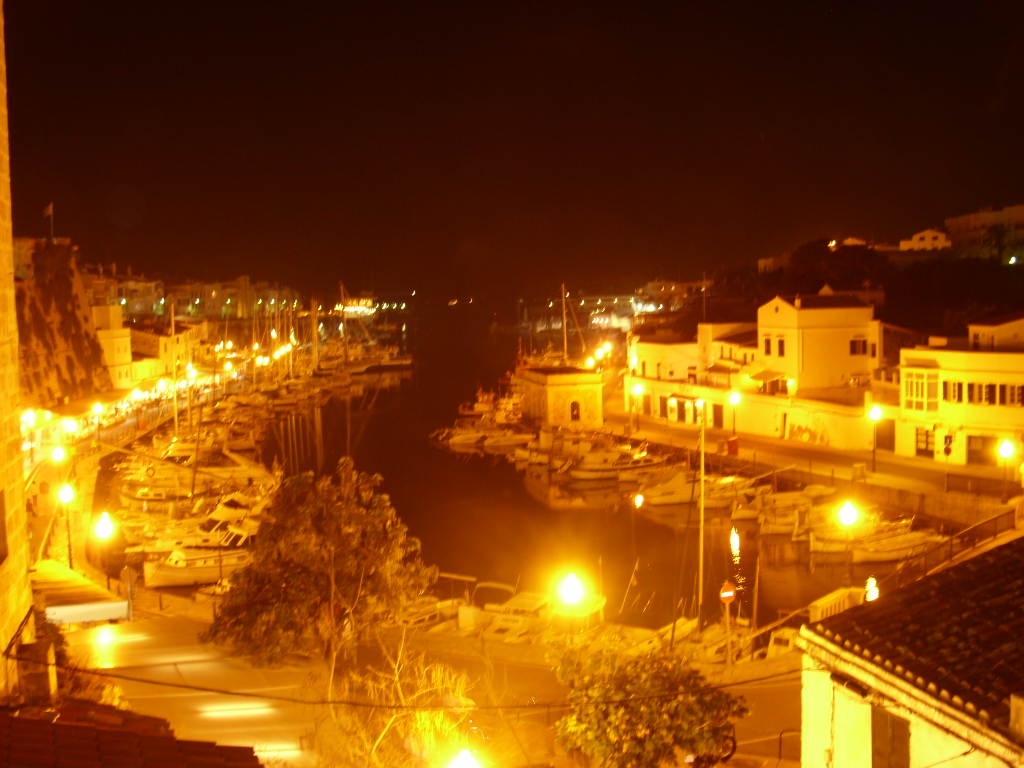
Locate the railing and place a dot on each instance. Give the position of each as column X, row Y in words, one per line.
column 920, row 566
column 835, row 602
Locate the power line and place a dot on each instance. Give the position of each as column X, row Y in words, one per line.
column 397, row 707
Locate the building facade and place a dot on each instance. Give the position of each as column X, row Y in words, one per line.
column 804, row 371
column 927, row 240
column 16, row 623
column 961, row 399
column 563, row 397
column 927, row 675
column 975, row 230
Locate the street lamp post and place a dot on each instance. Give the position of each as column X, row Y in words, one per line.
column 1006, row 451
column 66, row 495
column 638, row 392
column 874, row 414
column 734, row 400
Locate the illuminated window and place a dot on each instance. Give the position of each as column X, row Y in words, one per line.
column 921, row 391
column 574, row 411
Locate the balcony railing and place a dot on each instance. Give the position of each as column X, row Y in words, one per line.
column 920, row 566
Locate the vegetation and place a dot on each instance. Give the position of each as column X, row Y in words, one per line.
column 331, row 562
column 414, row 711
column 636, row 709
column 72, row 682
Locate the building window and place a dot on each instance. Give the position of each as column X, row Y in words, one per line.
column 890, row 739
column 925, row 442
column 874, row 349
column 782, row 347
column 1002, row 394
column 953, row 391
column 971, row 397
column 858, row 346
column 921, row 391
column 767, row 346
column 990, row 394
column 574, row 411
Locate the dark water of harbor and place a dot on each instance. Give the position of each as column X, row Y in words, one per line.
column 474, row 515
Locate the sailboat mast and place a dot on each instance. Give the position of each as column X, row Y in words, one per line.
column 700, row 545
column 315, row 332
column 174, row 354
column 565, row 329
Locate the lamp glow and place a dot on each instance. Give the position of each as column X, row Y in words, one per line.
column 638, row 500
column 464, row 759
column 848, row 514
column 734, row 398
column 97, row 409
column 70, row 426
column 875, row 413
column 58, row 454
column 66, row 494
column 104, row 527
column 590, row 362
column 637, row 389
column 571, row 589
column 871, row 589
column 1006, row 450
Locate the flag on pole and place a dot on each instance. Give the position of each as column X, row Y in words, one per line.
column 48, row 210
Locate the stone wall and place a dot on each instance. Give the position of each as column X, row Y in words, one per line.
column 15, row 590
column 60, row 355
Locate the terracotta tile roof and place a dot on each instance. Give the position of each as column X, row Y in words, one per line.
column 957, row 635
column 28, row 743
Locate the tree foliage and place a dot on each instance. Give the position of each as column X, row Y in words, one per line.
column 635, row 710
column 332, row 560
column 414, row 710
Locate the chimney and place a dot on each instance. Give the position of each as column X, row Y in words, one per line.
column 797, row 303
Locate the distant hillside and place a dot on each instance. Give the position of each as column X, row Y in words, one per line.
column 60, row 358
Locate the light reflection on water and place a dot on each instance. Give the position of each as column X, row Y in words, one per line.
column 478, row 515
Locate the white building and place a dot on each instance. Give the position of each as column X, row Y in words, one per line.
column 116, row 343
column 964, row 395
column 927, row 240
column 802, row 372
column 563, row 397
column 927, row 675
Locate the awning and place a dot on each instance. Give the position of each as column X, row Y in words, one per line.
column 72, row 598
column 764, row 376
column 720, row 368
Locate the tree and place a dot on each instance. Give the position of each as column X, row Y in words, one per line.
column 636, row 709
column 413, row 712
column 332, row 560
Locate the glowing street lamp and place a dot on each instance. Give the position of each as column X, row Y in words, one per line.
column 66, row 494
column 1006, row 451
column 871, row 589
column 848, row 514
column 104, row 527
column 638, row 500
column 571, row 589
column 464, row 759
column 734, row 400
column 58, row 454
column 875, row 414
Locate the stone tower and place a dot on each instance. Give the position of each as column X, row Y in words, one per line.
column 15, row 589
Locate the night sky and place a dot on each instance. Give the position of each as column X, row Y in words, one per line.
column 502, row 147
